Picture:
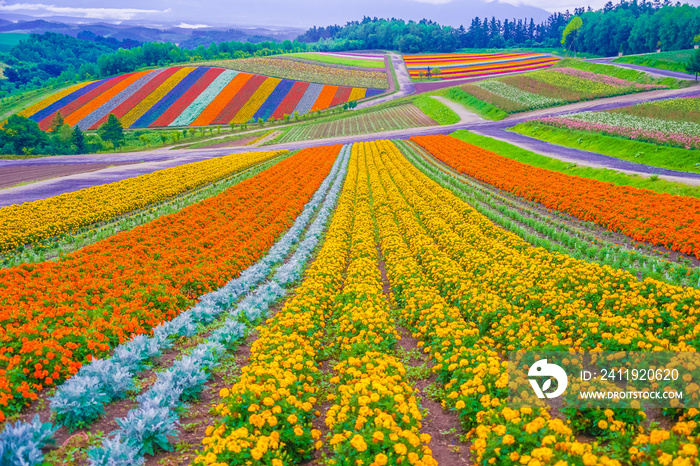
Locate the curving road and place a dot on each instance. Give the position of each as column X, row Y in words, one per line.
column 655, row 72
column 138, row 163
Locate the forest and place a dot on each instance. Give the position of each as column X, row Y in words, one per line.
column 50, row 58
column 630, row 27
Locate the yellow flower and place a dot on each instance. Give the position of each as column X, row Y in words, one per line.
column 359, row 443
column 381, row 459
column 400, row 448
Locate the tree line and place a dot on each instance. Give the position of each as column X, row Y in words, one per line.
column 629, row 26
column 50, row 59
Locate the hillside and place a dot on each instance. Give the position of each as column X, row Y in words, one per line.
column 189, row 96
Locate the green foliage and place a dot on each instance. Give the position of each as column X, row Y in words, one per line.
column 485, row 109
column 573, row 27
column 693, row 66
column 611, row 176
column 112, row 130
column 671, row 61
column 56, row 122
column 79, row 141
column 436, row 110
column 21, row 135
column 50, row 58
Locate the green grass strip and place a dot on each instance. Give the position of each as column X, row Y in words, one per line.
column 670, row 61
column 675, row 158
column 485, row 109
column 601, row 174
column 436, row 110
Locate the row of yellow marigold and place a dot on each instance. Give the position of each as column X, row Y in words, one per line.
column 437, row 251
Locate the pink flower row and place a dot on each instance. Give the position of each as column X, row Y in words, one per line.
column 676, row 139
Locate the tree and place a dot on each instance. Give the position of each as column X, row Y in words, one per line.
column 22, row 135
column 571, row 28
column 112, row 130
column 56, row 122
column 693, row 66
column 79, row 140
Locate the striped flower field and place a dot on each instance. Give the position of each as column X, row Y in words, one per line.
column 468, row 65
column 188, row 96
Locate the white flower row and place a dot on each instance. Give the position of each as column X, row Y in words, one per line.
column 150, row 425
column 637, row 122
column 204, row 99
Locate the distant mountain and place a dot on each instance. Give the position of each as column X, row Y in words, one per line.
column 187, row 37
column 305, row 13
column 282, row 18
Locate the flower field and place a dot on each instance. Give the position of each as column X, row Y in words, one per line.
column 399, row 117
column 305, row 294
column 57, row 315
column 456, row 281
column 472, row 65
column 340, row 58
column 44, row 219
column 661, row 219
column 184, row 96
column 554, row 86
column 309, row 72
column 673, row 122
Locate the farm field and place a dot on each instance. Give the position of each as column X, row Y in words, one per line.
column 387, row 119
column 471, row 65
column 430, row 236
column 358, row 304
column 309, row 72
column 341, row 58
column 664, row 133
column 188, row 96
column 568, row 81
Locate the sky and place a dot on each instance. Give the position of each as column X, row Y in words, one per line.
column 297, row 13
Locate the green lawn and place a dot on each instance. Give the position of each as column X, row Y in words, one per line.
column 436, row 110
column 335, row 60
column 485, row 109
column 671, row 61
column 675, row 158
column 17, row 102
column 601, row 174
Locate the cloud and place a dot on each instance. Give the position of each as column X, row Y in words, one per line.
column 192, row 26
column 92, row 13
column 434, row 2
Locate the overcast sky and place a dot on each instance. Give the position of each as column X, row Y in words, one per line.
column 300, row 13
